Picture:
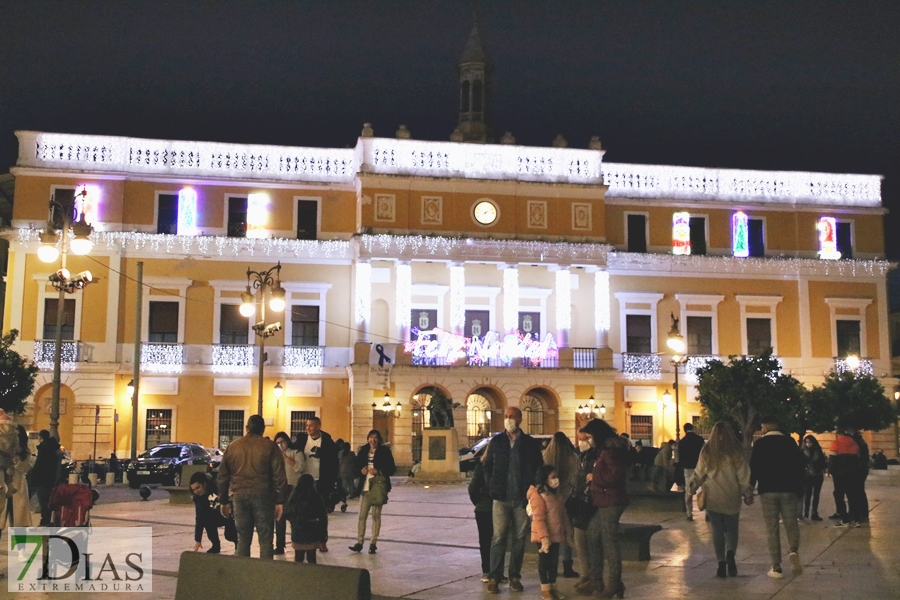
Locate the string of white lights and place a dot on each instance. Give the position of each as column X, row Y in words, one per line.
column 162, row 358
column 363, row 293
column 601, row 301
column 510, row 299
column 457, row 296
column 404, row 294
column 563, row 300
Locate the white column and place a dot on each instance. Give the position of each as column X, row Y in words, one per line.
column 404, row 299
column 601, row 308
column 457, row 298
column 510, row 299
column 363, row 303
column 563, row 305
column 805, row 327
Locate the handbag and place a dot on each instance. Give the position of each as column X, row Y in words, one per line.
column 378, row 490
column 701, row 499
column 580, row 507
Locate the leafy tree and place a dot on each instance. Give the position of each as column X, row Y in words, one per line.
column 747, row 389
column 848, row 399
column 16, row 376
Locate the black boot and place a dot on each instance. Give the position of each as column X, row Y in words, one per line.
column 729, row 562
column 568, row 572
column 721, row 570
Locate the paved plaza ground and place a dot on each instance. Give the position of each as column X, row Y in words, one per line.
column 429, row 550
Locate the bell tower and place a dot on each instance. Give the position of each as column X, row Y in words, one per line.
column 474, row 71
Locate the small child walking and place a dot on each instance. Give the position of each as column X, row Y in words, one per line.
column 549, row 528
column 309, row 520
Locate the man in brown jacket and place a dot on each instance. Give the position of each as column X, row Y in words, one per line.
column 252, row 477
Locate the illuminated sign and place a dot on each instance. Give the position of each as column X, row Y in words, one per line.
column 187, row 212
column 681, row 233
column 827, row 227
column 87, row 203
column 442, row 347
column 740, row 234
column 257, row 215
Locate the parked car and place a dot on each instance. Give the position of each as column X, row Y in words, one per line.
column 215, row 459
column 163, row 463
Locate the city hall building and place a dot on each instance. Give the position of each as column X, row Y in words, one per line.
column 494, row 274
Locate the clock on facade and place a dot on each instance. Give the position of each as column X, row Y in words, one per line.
column 485, row 212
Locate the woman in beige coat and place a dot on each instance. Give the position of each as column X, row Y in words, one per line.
column 724, row 474
column 22, row 463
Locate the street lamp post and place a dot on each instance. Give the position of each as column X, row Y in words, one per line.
column 665, row 401
column 64, row 210
column 262, row 282
column 676, row 343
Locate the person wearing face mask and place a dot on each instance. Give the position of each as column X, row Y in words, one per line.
column 590, row 582
column 549, row 527
column 513, row 459
column 561, row 455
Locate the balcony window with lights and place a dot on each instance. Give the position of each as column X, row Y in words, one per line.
column 304, row 325
column 698, row 235
column 759, row 335
column 638, row 334
column 237, row 216
column 848, row 338
column 51, row 305
column 636, row 232
column 167, row 213
column 844, row 239
column 756, row 237
column 233, row 326
column 699, row 335
column 307, row 219
column 163, row 322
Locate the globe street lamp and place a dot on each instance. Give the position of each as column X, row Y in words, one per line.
column 676, row 343
column 263, row 282
column 63, row 212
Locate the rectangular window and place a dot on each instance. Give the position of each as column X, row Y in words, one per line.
column 298, row 421
column 424, row 319
column 642, row 429
column 848, row 341
column 158, row 429
column 530, row 322
column 759, row 335
column 307, row 219
column 233, row 326
column 638, row 334
column 237, row 217
column 163, row 322
column 304, row 325
column 637, row 233
column 66, row 196
column 478, row 323
column 755, row 237
column 698, row 235
column 844, row 241
column 51, row 305
column 699, row 338
column 167, row 214
column 231, row 427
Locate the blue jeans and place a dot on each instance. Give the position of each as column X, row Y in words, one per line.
column 508, row 514
column 258, row 512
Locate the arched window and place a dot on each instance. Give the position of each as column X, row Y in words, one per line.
column 477, row 104
column 464, row 96
column 478, row 418
column 532, row 415
column 420, row 401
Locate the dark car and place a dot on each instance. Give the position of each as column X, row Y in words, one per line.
column 163, row 463
column 215, row 460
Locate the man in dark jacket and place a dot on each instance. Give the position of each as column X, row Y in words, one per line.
column 777, row 465
column 321, row 458
column 45, row 473
column 689, row 448
column 513, row 460
column 845, row 469
column 861, row 476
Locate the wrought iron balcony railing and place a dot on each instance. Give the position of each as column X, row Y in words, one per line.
column 71, row 352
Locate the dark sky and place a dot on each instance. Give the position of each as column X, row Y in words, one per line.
column 781, row 85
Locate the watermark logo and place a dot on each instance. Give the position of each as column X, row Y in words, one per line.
column 80, row 559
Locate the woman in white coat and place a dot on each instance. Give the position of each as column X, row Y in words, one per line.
column 18, row 502
column 724, row 474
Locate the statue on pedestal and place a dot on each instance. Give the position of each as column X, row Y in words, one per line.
column 441, row 410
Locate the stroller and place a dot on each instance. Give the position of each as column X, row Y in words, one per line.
column 337, row 496
column 71, row 505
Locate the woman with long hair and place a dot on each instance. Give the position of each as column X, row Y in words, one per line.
column 306, row 512
column 372, row 459
column 294, row 465
column 813, row 476
column 17, row 503
column 724, row 474
column 560, row 453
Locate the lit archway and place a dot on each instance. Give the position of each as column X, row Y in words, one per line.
column 484, row 413
column 539, row 412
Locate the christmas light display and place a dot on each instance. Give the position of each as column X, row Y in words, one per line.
column 44, row 352
column 404, row 295
column 257, row 215
column 865, row 366
column 87, row 203
column 827, row 227
column 601, row 301
column 437, row 346
column 363, row 293
column 563, row 300
column 159, row 357
column 457, row 296
column 233, row 358
column 187, row 212
column 740, row 235
column 510, row 299
column 641, row 367
column 681, row 233
column 305, row 360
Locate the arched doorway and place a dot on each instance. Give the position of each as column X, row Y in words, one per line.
column 484, row 414
column 539, row 412
column 421, row 417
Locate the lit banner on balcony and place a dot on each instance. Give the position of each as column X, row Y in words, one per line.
column 257, row 215
column 740, row 234
column 187, row 212
column 827, row 227
column 681, row 233
column 87, row 203
column 443, row 347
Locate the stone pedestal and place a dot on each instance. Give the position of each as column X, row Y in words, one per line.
column 440, row 456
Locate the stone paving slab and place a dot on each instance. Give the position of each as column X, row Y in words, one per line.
column 428, row 550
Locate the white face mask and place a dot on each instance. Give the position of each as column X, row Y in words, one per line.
column 510, row 425
column 554, row 483
column 584, row 445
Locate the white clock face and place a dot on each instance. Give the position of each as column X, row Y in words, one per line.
column 485, row 212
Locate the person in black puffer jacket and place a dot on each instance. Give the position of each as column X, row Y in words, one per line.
column 813, row 477
column 484, row 518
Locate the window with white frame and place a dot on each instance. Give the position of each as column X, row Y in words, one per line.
column 638, row 334
column 48, row 299
column 162, row 323
column 479, row 313
column 636, row 232
column 167, row 213
column 701, row 312
column 638, row 304
column 307, row 220
column 236, row 216
column 532, row 317
column 848, row 326
column 759, row 335
column 845, row 239
column 427, row 300
column 758, row 323
column 234, row 328
column 304, row 324
column 51, row 306
column 164, row 308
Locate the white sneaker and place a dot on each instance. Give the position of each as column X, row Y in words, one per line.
column 776, row 573
column 485, row 578
column 796, row 567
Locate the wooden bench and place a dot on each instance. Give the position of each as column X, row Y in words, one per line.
column 634, row 540
column 202, row 575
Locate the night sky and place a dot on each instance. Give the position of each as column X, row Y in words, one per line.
column 780, row 85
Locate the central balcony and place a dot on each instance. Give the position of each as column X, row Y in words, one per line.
column 162, row 357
